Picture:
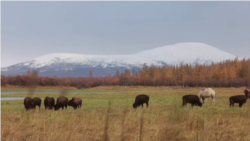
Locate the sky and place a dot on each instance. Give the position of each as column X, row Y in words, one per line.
column 32, row 29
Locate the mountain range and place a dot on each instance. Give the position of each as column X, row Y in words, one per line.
column 66, row 64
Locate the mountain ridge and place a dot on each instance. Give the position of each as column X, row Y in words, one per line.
column 188, row 53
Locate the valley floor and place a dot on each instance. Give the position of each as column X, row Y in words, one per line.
column 165, row 119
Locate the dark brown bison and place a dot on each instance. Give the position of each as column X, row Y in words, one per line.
column 37, row 102
column 247, row 93
column 75, row 102
column 28, row 103
column 61, row 102
column 241, row 99
column 140, row 99
column 49, row 102
column 193, row 99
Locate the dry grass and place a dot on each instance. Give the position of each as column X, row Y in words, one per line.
column 100, row 120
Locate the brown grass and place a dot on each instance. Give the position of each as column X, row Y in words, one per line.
column 99, row 119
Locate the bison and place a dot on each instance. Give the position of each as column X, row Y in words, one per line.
column 75, row 102
column 247, row 93
column 207, row 92
column 193, row 99
column 49, row 102
column 37, row 102
column 140, row 99
column 241, row 99
column 61, row 102
column 28, row 103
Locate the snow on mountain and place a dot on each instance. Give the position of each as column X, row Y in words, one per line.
column 66, row 64
column 92, row 60
column 186, row 52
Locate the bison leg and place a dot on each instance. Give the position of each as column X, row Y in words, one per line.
column 232, row 104
column 213, row 99
column 76, row 106
column 147, row 104
column 184, row 103
column 203, row 99
column 240, row 105
column 27, row 107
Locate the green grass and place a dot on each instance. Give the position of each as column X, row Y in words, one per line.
column 165, row 119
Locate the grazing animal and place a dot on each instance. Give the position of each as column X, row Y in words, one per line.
column 61, row 102
column 37, row 102
column 193, row 99
column 49, row 102
column 207, row 92
column 140, row 99
column 241, row 99
column 28, row 103
column 75, row 102
column 247, row 93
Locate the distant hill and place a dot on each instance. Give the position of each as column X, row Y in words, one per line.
column 65, row 64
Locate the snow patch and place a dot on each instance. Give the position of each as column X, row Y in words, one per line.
column 188, row 53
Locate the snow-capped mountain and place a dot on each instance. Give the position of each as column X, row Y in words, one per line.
column 65, row 64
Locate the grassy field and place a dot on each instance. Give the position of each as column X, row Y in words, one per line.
column 110, row 116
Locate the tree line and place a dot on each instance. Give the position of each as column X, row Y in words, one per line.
column 229, row 73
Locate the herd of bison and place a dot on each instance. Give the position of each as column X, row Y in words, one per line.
column 75, row 102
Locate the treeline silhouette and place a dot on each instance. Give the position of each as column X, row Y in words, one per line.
column 229, row 73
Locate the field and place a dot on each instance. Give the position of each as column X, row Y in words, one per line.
column 110, row 116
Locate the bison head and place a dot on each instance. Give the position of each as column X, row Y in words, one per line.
column 70, row 103
column 199, row 104
column 135, row 106
column 33, row 105
column 247, row 93
column 56, row 107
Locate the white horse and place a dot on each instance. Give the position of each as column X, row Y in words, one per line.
column 205, row 93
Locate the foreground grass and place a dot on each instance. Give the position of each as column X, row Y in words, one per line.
column 165, row 119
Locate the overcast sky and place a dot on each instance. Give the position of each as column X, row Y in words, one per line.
column 32, row 29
